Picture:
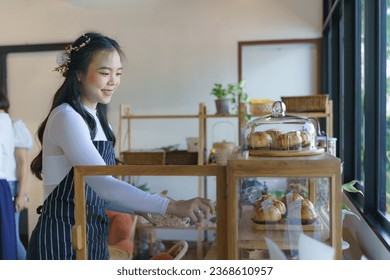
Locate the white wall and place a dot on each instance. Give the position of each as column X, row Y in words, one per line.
column 176, row 51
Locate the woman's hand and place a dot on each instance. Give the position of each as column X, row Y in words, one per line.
column 20, row 203
column 196, row 208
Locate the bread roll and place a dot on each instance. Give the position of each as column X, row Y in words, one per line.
column 259, row 140
column 274, row 133
column 302, row 210
column 290, row 197
column 262, row 202
column 305, row 139
column 289, row 141
column 269, row 214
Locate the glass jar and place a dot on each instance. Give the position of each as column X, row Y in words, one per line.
column 280, row 132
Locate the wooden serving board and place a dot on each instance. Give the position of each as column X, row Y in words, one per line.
column 315, row 226
column 282, row 153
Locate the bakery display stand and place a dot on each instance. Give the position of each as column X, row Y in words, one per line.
column 320, row 171
column 326, row 114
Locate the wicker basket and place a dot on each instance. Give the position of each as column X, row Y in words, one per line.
column 261, row 108
column 144, row 157
column 314, row 103
column 254, row 254
column 181, row 158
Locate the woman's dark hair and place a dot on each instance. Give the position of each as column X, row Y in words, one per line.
column 80, row 54
column 4, row 102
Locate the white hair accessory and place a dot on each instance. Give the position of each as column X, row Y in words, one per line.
column 63, row 58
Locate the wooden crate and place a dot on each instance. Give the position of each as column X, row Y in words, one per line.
column 144, row 157
column 313, row 103
column 181, row 158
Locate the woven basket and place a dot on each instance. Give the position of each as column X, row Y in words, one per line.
column 261, row 108
column 178, row 250
column 181, row 158
column 314, row 103
column 152, row 157
column 117, row 253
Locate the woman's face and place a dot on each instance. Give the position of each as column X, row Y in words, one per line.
column 102, row 78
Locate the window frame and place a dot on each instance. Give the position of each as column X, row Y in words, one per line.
column 342, row 78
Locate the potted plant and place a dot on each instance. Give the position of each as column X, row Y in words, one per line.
column 222, row 101
column 233, row 94
column 345, row 210
column 349, row 187
column 239, row 97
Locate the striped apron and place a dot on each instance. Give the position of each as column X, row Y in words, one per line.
column 52, row 237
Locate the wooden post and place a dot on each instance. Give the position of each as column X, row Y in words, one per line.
column 79, row 230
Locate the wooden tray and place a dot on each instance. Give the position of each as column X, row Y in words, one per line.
column 282, row 153
column 314, row 226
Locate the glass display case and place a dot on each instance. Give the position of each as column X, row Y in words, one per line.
column 280, row 198
column 279, row 134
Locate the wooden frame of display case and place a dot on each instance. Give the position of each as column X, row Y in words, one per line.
column 79, row 237
column 318, row 166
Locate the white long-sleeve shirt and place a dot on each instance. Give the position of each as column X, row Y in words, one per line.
column 7, row 146
column 67, row 143
column 22, row 139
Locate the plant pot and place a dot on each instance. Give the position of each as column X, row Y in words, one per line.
column 223, row 106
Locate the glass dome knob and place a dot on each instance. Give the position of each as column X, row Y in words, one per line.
column 278, row 109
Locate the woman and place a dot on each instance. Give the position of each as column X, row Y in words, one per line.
column 77, row 132
column 7, row 216
column 18, row 177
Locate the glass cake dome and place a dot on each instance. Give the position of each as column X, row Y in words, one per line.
column 280, row 132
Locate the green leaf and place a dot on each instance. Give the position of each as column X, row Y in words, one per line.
column 347, row 211
column 350, row 188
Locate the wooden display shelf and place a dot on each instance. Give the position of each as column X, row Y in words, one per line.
column 251, row 235
column 192, row 227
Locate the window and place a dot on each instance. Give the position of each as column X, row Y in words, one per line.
column 356, row 73
column 388, row 108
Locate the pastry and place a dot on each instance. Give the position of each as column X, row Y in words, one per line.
column 302, row 210
column 263, row 198
column 281, row 207
column 274, row 133
column 296, row 187
column 290, row 197
column 305, row 139
column 259, row 140
column 289, row 141
column 266, row 200
column 266, row 215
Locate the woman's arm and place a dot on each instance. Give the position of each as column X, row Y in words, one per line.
column 21, row 156
column 23, row 143
column 70, row 133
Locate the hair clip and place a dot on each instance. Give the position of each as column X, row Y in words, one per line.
column 63, row 57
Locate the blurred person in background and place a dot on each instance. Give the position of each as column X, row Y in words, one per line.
column 18, row 177
column 7, row 157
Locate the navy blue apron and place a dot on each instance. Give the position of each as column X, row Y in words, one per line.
column 7, row 223
column 52, row 237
